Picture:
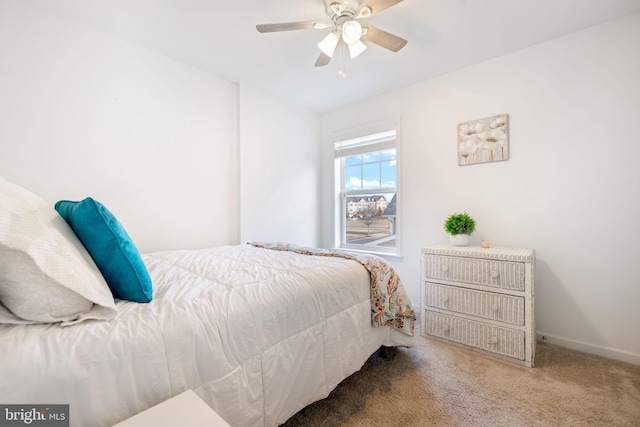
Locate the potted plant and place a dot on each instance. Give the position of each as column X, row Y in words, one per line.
column 460, row 226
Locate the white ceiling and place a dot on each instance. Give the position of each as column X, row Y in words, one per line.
column 444, row 35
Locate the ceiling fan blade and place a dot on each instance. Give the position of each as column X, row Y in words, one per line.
column 376, row 6
column 288, row 26
column 384, row 39
column 323, row 60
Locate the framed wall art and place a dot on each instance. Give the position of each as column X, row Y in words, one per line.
column 484, row 140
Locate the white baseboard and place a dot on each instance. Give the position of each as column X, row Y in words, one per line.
column 610, row 353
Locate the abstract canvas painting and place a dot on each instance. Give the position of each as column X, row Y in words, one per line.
column 484, row 140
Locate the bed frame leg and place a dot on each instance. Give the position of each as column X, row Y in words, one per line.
column 385, row 353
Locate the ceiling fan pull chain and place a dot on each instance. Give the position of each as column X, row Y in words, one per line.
column 343, row 63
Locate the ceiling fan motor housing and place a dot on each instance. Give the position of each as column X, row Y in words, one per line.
column 350, row 8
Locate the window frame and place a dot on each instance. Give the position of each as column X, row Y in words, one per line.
column 371, row 138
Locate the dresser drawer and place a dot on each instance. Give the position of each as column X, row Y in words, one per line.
column 498, row 274
column 488, row 305
column 504, row 341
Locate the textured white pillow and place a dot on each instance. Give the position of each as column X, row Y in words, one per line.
column 46, row 274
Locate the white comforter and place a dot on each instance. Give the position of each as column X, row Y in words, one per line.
column 258, row 334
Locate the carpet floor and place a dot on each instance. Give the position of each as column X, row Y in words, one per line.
column 439, row 384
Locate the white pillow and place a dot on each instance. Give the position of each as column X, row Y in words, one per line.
column 46, row 274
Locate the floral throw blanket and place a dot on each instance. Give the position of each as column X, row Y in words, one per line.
column 390, row 305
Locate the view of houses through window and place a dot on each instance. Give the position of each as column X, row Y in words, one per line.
column 371, row 219
column 368, row 190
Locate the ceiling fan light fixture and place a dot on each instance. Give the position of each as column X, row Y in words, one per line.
column 329, row 43
column 351, row 32
column 356, row 49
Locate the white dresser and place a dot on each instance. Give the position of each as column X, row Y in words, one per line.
column 480, row 298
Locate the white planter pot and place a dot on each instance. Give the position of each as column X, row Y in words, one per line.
column 460, row 239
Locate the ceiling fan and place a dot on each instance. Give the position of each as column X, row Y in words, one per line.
column 345, row 28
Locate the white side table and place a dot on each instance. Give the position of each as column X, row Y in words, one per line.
column 184, row 410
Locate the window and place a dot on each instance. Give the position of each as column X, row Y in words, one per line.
column 367, row 184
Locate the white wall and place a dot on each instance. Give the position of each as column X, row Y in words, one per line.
column 280, row 170
column 86, row 114
column 159, row 143
column 570, row 188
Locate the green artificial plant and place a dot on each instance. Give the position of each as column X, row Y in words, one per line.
column 460, row 223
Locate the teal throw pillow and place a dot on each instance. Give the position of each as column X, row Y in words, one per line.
column 110, row 247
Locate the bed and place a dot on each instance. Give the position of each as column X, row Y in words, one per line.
column 258, row 331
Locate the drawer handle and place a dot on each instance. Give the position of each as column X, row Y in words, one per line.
column 445, row 328
column 493, row 340
column 445, row 267
column 495, row 307
column 445, row 298
column 494, row 274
